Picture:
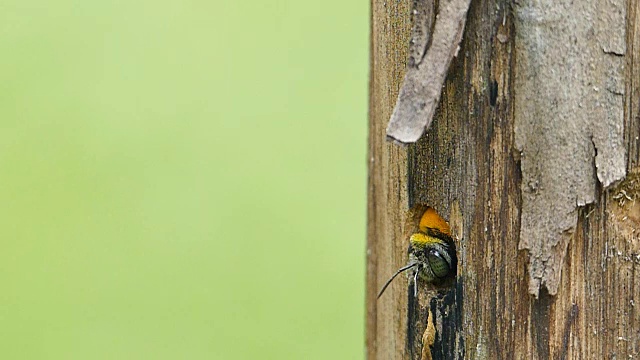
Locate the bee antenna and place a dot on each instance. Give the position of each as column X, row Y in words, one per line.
column 404, row 268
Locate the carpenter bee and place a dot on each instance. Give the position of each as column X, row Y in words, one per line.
column 432, row 256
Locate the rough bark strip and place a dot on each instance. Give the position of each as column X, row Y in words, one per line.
column 422, row 85
column 423, row 17
column 569, row 120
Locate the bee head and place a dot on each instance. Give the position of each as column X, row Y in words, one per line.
column 436, row 255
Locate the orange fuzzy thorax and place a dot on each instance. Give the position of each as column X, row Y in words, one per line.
column 431, row 219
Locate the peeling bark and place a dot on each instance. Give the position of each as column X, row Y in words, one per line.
column 568, row 120
column 428, row 67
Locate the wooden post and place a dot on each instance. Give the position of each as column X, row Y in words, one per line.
column 466, row 166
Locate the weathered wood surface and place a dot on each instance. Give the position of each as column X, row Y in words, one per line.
column 467, row 168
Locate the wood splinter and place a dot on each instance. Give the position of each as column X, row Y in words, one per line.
column 427, row 70
column 428, row 338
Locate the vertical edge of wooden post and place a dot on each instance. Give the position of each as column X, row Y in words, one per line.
column 386, row 250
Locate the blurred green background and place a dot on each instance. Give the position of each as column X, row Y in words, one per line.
column 182, row 179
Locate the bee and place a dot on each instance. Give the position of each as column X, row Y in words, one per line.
column 432, row 255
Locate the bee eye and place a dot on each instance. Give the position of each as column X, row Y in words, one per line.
column 439, row 265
